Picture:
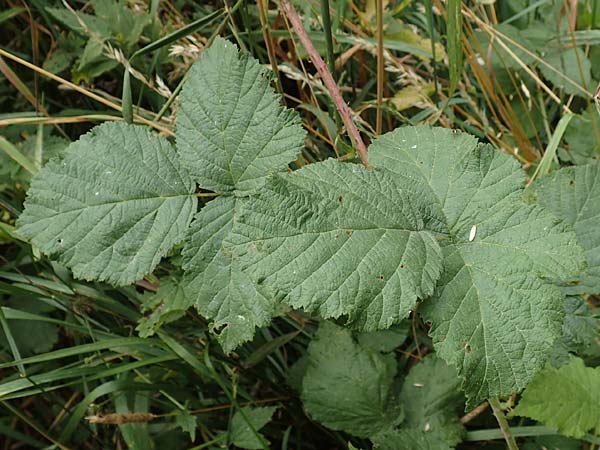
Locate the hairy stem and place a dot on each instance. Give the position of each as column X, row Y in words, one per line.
column 508, row 437
column 325, row 74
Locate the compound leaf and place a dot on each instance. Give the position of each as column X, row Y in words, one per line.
column 231, row 132
column 338, row 239
column 222, row 292
column 493, row 314
column 113, row 206
column 567, row 398
column 431, row 398
column 231, row 127
column 348, row 387
column 573, row 194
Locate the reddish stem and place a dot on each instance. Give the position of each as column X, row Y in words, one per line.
column 327, row 78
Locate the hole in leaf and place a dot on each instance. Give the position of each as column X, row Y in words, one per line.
column 218, row 329
column 402, row 266
column 381, row 277
column 340, row 199
column 349, row 232
column 467, row 347
column 571, row 182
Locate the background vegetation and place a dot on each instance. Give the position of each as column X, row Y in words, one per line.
column 89, row 366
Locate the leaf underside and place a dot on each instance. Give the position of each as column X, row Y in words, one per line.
column 113, row 206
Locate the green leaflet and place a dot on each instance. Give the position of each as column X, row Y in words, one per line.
column 231, row 132
column 231, row 128
column 567, row 398
column 348, row 387
column 432, row 399
column 167, row 305
column 492, row 314
column 579, row 332
column 113, row 206
column 338, row 239
column 573, row 194
column 242, row 435
column 222, row 292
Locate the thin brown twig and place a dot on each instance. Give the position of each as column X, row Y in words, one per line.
column 330, row 84
column 474, row 413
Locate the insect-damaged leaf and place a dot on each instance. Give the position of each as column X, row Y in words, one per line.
column 493, row 314
column 113, row 206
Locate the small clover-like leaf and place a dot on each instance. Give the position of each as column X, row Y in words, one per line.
column 166, row 305
column 431, row 398
column 113, row 206
column 409, row 439
column 245, row 425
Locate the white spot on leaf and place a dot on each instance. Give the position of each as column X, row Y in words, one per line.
column 472, row 233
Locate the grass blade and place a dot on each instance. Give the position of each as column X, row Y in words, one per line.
column 14, row 153
column 454, row 36
column 550, row 154
column 126, row 101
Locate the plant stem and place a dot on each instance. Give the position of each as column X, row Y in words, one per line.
column 269, row 42
column 594, row 441
column 504, row 428
column 328, row 36
column 474, row 413
column 380, row 68
column 325, row 74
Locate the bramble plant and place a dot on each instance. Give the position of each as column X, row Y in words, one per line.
column 438, row 224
